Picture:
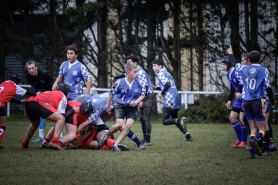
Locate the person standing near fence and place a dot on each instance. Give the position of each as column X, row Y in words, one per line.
column 8, row 89
column 40, row 81
column 171, row 99
column 73, row 73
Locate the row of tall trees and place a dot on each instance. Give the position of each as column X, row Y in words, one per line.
column 191, row 36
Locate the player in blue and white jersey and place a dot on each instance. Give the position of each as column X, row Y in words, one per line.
column 171, row 99
column 253, row 79
column 126, row 93
column 73, row 73
column 228, row 63
column 145, row 106
column 99, row 115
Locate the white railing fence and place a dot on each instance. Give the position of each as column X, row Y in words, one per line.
column 187, row 97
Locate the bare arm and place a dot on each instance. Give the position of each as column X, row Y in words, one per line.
column 88, row 86
column 58, row 80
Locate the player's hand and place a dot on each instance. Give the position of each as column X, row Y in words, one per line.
column 159, row 95
column 230, row 50
column 238, row 95
column 140, row 104
column 228, row 105
column 23, row 100
column 112, row 79
column 76, row 109
column 108, row 110
column 133, row 104
column 154, row 87
column 38, row 93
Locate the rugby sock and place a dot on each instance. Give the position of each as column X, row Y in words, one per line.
column 260, row 135
column 252, row 137
column 134, row 138
column 41, row 127
column 243, row 132
column 266, row 141
column 55, row 140
column 236, row 126
column 2, row 133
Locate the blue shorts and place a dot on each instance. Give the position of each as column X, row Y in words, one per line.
column 267, row 105
column 238, row 103
column 254, row 110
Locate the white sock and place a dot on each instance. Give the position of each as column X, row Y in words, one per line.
column 61, row 135
column 41, row 133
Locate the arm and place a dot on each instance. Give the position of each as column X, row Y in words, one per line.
column 83, row 125
column 107, row 107
column 119, row 76
column 58, row 80
column 270, row 95
column 166, row 87
column 88, row 86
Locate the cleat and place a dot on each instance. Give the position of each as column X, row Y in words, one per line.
column 2, row 148
column 24, row 144
column 140, row 147
column 44, row 144
column 123, row 147
column 116, row 148
column 265, row 153
column 255, row 147
column 146, row 143
column 38, row 140
column 248, row 147
column 236, row 144
column 242, row 145
column 272, row 147
column 102, row 141
column 188, row 138
column 55, row 146
column 251, row 154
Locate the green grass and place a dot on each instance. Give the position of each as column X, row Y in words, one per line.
column 170, row 160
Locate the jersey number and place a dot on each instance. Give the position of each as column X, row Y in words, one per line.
column 1, row 89
column 251, row 84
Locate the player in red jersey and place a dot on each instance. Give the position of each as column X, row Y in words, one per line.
column 71, row 123
column 8, row 89
column 50, row 105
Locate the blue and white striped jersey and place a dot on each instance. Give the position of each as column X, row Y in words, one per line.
column 171, row 98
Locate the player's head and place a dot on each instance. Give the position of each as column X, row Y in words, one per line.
column 32, row 67
column 132, row 58
column 229, row 64
column 72, row 47
column 131, row 70
column 64, row 88
column 255, row 57
column 245, row 59
column 15, row 79
column 86, row 108
column 157, row 65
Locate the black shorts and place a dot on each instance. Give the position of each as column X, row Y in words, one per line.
column 35, row 111
column 126, row 112
column 70, row 118
column 2, row 112
column 237, row 110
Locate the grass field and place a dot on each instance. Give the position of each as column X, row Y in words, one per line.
column 170, row 160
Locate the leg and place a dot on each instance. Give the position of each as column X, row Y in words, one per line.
column 30, row 132
column 146, row 124
column 3, row 120
column 41, row 131
column 71, row 133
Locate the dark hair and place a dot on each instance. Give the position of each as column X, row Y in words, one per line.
column 29, row 63
column 158, row 62
column 72, row 47
column 254, row 56
column 15, row 79
column 134, row 58
column 246, row 56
